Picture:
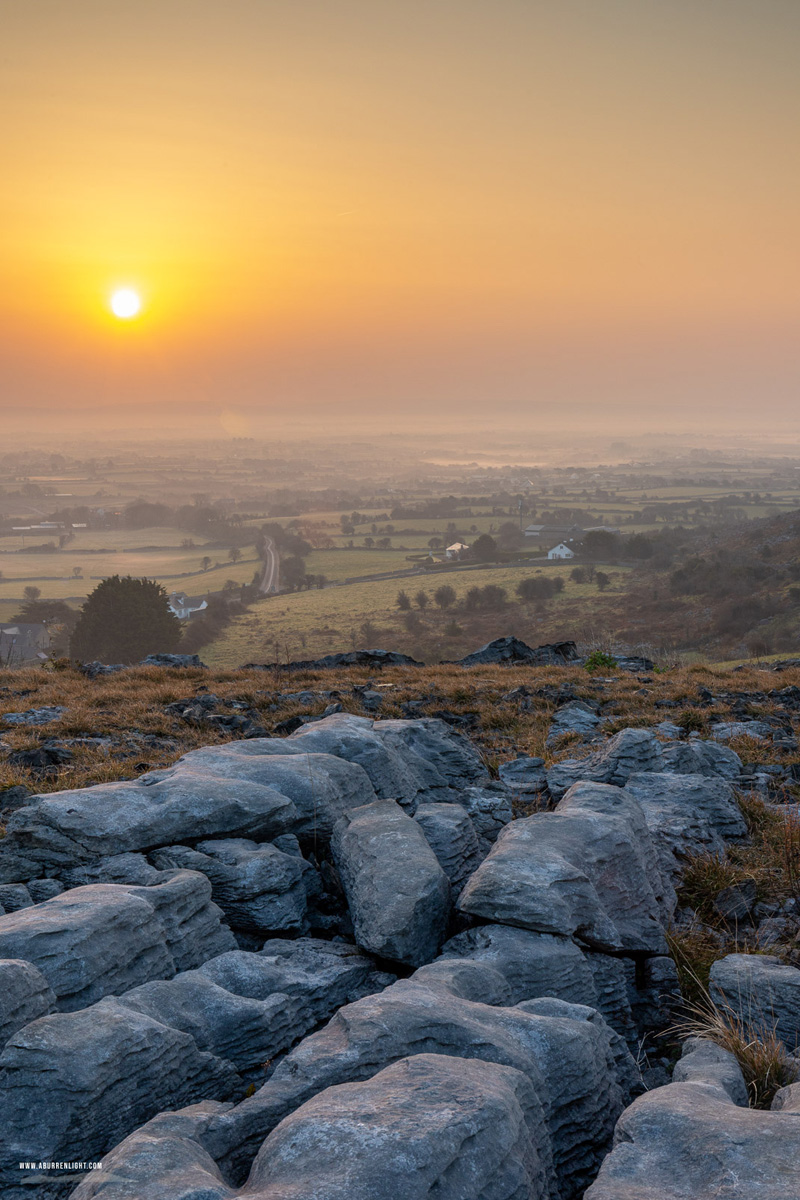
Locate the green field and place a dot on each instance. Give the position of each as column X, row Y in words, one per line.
column 309, row 624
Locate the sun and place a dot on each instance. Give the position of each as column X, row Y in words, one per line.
column 125, row 303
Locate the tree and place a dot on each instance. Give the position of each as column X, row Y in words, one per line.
column 602, row 580
column 205, row 562
column 123, row 620
column 445, row 596
column 484, row 548
column 77, row 572
column 403, row 601
column 421, row 600
column 31, row 593
column 234, row 554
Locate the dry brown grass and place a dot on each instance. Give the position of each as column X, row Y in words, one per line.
column 764, row 1060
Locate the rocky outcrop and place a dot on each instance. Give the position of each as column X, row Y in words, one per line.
column 25, row 995
column 451, row 835
column 510, row 650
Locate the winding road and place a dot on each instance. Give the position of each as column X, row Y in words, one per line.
column 270, row 576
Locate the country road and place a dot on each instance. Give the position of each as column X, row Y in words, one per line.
column 270, row 576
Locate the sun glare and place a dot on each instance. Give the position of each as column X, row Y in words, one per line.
column 125, row 303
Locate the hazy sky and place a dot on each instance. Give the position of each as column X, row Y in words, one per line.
column 538, row 206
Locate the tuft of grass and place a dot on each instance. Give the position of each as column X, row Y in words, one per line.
column 704, row 877
column 694, row 952
column 764, row 1060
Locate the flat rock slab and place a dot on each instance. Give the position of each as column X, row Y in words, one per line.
column 397, row 894
column 103, row 939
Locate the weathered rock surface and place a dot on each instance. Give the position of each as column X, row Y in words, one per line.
column 104, row 939
column 687, row 814
column 762, row 990
column 258, row 887
column 320, row 786
column 585, row 870
column 691, row 1140
column 25, row 995
column 425, row 1126
column 451, row 835
column 489, row 809
column 632, row 751
column 65, row 829
column 397, row 894
column 81, row 1079
column 524, row 775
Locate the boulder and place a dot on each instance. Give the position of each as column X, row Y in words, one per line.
column 103, row 939
column 761, row 990
column 424, row 1126
column 173, row 660
column 320, row 786
column 451, row 835
column 575, row 717
column 698, row 757
column 725, row 731
column 568, row 1061
column 397, row 894
column 629, row 751
column 687, row 814
column 63, row 830
column 691, row 1140
column 316, row 975
column 585, row 870
column 14, row 896
column 244, row 1031
column 162, row 1160
column 375, row 659
column 490, row 811
column 74, row 1083
column 25, row 995
column 258, row 887
column 524, row 775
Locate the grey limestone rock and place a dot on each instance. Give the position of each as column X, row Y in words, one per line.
column 490, row 811
column 467, row 978
column 451, row 835
column 63, row 830
column 81, row 1080
column 162, row 1160
column 244, row 1031
column 14, row 896
column 586, row 870
column 628, row 751
column 103, row 939
column 687, row 814
column 579, row 1108
column 117, row 868
column 698, row 757
column 691, row 1140
column 257, row 886
column 524, row 775
column 424, row 1126
column 25, row 995
column 762, row 990
column 575, row 717
column 319, row 785
column 89, row 942
column 397, row 894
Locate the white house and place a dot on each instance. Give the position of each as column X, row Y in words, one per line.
column 456, row 550
column 184, row 606
column 561, row 551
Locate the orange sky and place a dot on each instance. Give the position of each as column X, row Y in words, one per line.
column 431, row 201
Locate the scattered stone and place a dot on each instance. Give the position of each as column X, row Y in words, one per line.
column 34, row 716
column 173, row 660
column 524, row 775
column 725, row 731
column 331, row 662
column 14, row 797
column 735, row 903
